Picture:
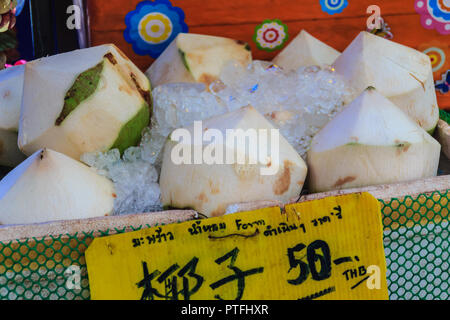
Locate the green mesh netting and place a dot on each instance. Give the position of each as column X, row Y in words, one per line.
column 444, row 115
column 416, row 240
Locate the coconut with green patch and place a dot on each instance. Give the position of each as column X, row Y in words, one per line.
column 11, row 85
column 402, row 74
column 305, row 50
column 370, row 142
column 83, row 101
column 230, row 171
column 197, row 58
column 49, row 186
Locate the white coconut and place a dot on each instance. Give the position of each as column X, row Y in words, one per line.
column 305, row 50
column 402, row 74
column 102, row 114
column 50, row 186
column 443, row 134
column 11, row 88
column 370, row 142
column 196, row 58
column 210, row 186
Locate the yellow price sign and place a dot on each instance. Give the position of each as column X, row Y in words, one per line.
column 324, row 249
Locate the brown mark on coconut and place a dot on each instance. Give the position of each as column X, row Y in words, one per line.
column 343, row 181
column 421, row 82
column 6, row 94
column 111, row 58
column 245, row 171
column 282, row 184
column 245, row 44
column 126, row 89
column 207, row 78
column 219, row 211
column 202, row 197
column 424, row 61
column 214, row 189
column 196, row 58
column 402, row 146
column 144, row 93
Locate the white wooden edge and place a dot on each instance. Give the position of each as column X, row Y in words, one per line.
column 396, row 190
column 42, row 230
column 384, row 192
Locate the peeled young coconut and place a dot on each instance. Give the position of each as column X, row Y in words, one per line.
column 209, row 187
column 305, row 50
column 402, row 74
column 11, row 85
column 370, row 142
column 196, row 58
column 50, row 186
column 443, row 133
column 83, row 101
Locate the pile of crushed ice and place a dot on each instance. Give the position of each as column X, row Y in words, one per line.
column 299, row 103
column 134, row 176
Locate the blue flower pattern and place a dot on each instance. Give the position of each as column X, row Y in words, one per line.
column 333, row 6
column 437, row 11
column 153, row 26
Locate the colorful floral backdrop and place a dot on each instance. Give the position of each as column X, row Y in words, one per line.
column 421, row 24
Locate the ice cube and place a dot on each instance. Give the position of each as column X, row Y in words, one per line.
column 135, row 179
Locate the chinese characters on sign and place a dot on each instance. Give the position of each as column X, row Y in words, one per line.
column 322, row 248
